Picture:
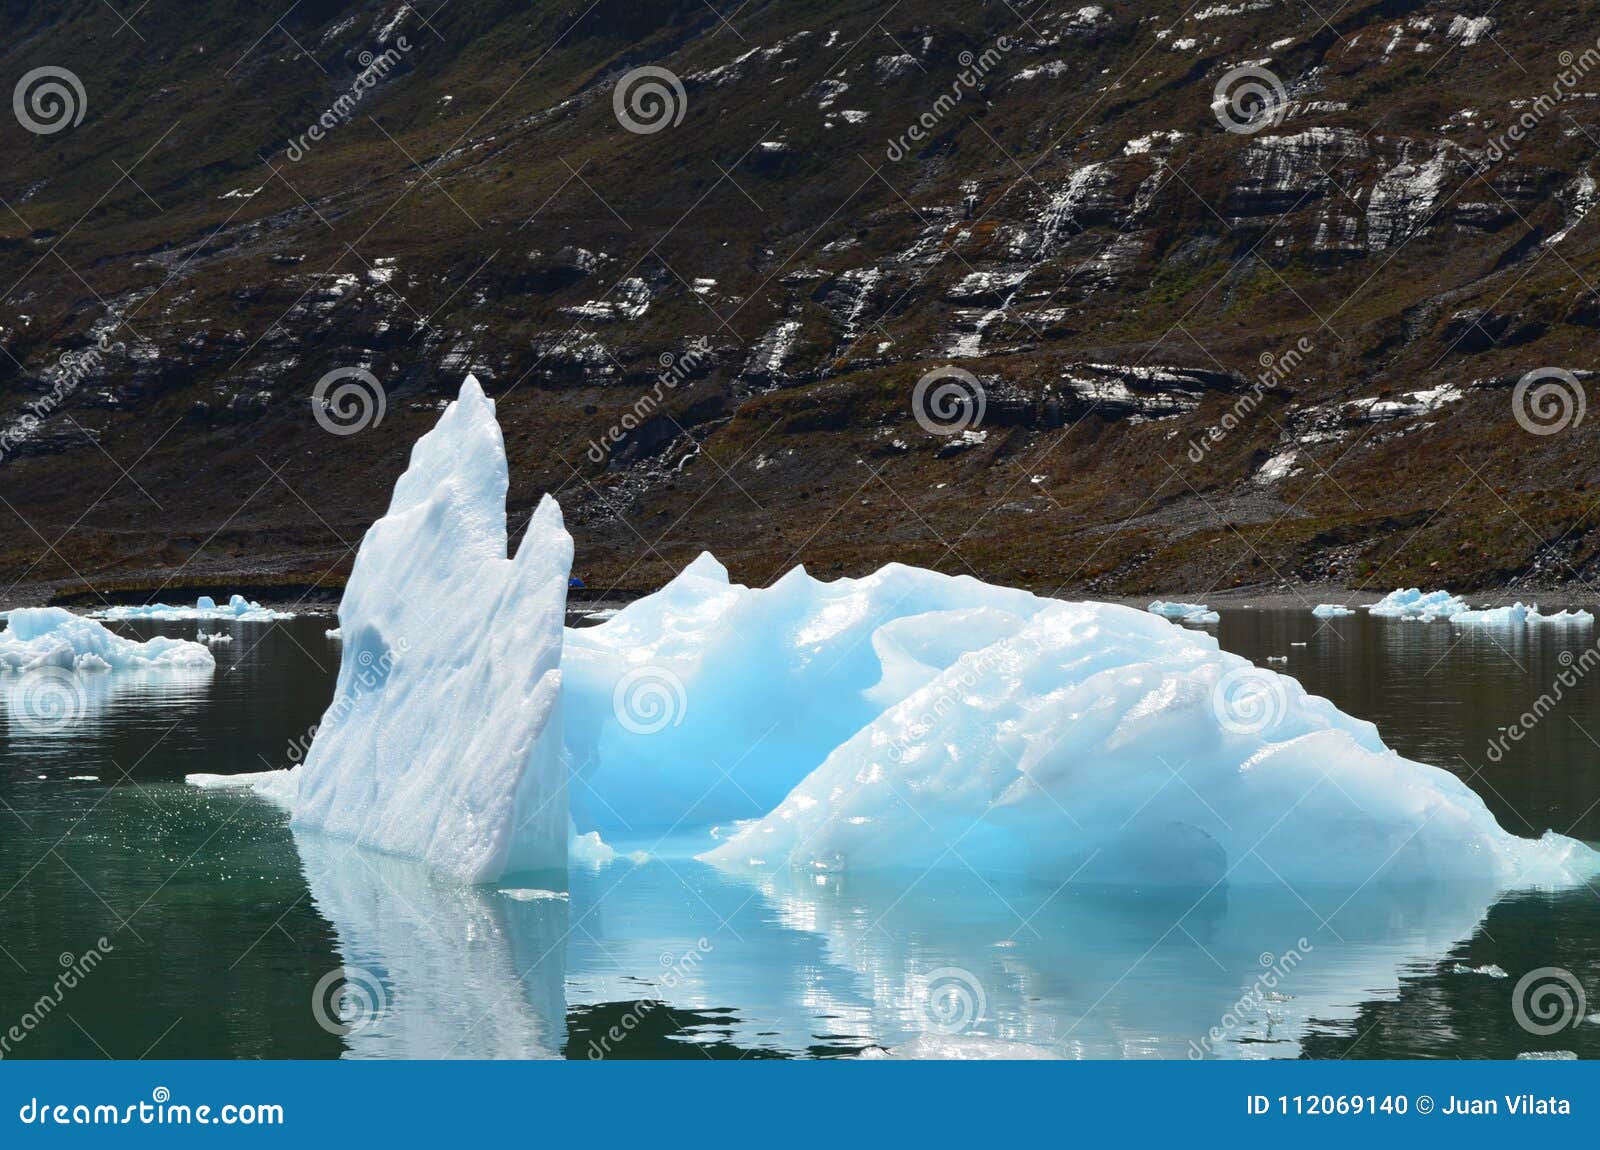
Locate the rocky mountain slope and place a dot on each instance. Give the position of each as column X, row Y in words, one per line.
column 1086, row 298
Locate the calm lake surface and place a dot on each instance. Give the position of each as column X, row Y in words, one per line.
column 227, row 933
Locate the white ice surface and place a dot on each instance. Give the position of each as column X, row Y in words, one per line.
column 238, row 609
column 1331, row 611
column 1411, row 603
column 1093, row 740
column 707, row 701
column 443, row 741
column 1184, row 612
column 54, row 637
column 1518, row 614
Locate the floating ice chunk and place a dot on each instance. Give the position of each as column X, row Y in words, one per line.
column 54, row 637
column 1514, row 615
column 1048, row 746
column 334, row 633
column 1563, row 617
column 1331, row 610
column 214, row 638
column 589, row 850
column 1197, row 613
column 707, row 701
column 279, row 787
column 443, row 741
column 1490, row 971
column 239, row 609
column 1548, row 1056
column 1415, row 604
column 1517, row 614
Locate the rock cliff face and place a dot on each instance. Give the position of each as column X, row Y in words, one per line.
column 1206, row 297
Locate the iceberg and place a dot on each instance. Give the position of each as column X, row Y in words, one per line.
column 239, row 609
column 38, row 637
column 1412, row 603
column 1331, row 611
column 907, row 719
column 1517, row 615
column 1196, row 613
column 1093, row 741
column 443, row 741
column 708, row 701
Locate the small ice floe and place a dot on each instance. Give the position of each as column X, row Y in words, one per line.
column 214, row 638
column 1411, row 603
column 590, row 850
column 39, row 637
column 205, row 607
column 1518, row 614
column 534, row 894
column 1489, row 971
column 1331, row 611
column 1547, row 1056
column 1197, row 613
column 334, row 633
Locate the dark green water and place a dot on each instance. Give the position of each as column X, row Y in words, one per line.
column 221, row 925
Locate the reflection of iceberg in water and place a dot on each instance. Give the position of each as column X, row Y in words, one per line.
column 45, row 708
column 813, row 963
column 1105, row 973
column 465, row 972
